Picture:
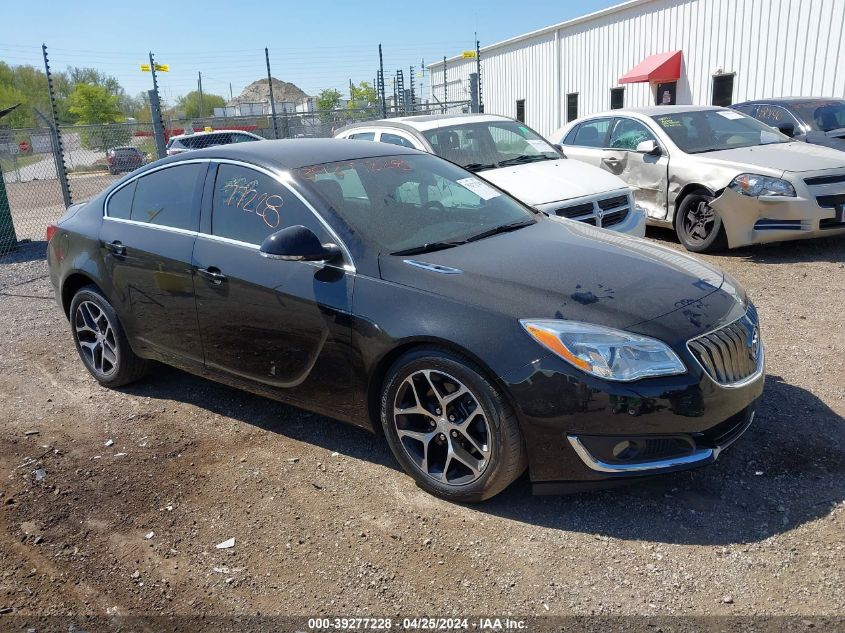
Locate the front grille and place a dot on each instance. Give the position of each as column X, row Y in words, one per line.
column 612, row 203
column 732, row 353
column 614, row 217
column 831, row 202
column 604, row 213
column 825, row 180
column 576, row 210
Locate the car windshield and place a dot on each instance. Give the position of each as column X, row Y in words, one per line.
column 413, row 203
column 489, row 144
column 701, row 131
column 822, row 116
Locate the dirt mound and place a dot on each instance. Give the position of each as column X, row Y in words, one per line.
column 258, row 92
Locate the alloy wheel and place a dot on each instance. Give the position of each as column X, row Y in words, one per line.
column 699, row 221
column 442, row 427
column 96, row 337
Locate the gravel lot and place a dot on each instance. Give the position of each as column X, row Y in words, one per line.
column 140, row 485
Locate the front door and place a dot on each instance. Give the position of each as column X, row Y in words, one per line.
column 646, row 174
column 147, row 238
column 283, row 325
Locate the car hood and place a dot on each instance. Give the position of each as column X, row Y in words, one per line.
column 820, row 138
column 552, row 180
column 777, row 158
column 563, row 269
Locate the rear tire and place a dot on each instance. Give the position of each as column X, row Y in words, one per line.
column 459, row 439
column 101, row 341
column 698, row 225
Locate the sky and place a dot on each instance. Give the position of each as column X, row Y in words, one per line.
column 315, row 45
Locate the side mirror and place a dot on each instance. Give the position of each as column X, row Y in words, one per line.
column 297, row 244
column 787, row 128
column 559, row 148
column 648, row 147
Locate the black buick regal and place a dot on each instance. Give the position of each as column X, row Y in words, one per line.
column 396, row 291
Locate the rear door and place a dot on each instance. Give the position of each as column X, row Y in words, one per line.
column 281, row 324
column 646, row 174
column 588, row 142
column 147, row 238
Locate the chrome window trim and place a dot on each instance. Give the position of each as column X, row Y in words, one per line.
column 701, row 455
column 761, row 360
column 284, row 178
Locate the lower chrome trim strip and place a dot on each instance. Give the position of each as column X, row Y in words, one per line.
column 701, row 455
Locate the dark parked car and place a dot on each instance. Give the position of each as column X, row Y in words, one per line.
column 120, row 159
column 394, row 290
column 814, row 120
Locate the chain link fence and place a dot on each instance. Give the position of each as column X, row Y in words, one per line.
column 35, row 170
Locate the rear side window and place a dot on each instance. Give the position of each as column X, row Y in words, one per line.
column 363, row 136
column 168, row 197
column 248, row 206
column 120, row 204
column 592, row 133
column 395, row 139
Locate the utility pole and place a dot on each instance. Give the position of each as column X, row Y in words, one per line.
column 413, row 104
column 445, row 86
column 158, row 122
column 231, row 98
column 199, row 89
column 381, row 83
column 272, row 101
column 478, row 73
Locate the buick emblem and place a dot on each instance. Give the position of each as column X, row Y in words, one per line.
column 754, row 350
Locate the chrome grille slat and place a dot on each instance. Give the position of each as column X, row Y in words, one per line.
column 726, row 354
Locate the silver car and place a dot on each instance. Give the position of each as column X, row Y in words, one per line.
column 718, row 177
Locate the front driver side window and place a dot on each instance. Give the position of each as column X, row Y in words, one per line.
column 627, row 134
column 249, row 205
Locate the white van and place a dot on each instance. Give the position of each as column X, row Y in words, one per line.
column 515, row 158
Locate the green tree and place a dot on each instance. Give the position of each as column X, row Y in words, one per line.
column 93, row 104
column 364, row 99
column 328, row 99
column 190, row 104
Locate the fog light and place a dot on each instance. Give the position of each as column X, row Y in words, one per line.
column 626, row 450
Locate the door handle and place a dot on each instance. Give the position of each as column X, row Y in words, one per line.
column 610, row 160
column 213, row 274
column 116, row 248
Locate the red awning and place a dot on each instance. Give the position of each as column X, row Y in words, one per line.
column 660, row 67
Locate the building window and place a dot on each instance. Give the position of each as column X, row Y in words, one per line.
column 520, row 110
column 723, row 90
column 617, row 98
column 571, row 106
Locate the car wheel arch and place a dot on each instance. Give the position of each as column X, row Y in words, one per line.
column 72, row 284
column 378, row 375
column 687, row 190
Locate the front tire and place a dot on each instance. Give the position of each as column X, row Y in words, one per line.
column 698, row 225
column 101, row 342
column 449, row 427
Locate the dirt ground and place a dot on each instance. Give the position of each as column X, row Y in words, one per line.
column 113, row 502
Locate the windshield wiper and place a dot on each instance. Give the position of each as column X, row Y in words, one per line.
column 480, row 166
column 525, row 158
column 504, row 228
column 430, row 247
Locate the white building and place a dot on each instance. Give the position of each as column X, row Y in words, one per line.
column 650, row 51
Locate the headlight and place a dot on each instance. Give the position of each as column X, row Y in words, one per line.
column 755, row 185
column 605, row 352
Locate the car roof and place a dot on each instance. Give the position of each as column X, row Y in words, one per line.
column 424, row 122
column 177, row 137
column 791, row 100
column 653, row 110
column 293, row 153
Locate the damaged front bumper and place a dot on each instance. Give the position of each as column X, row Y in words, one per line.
column 756, row 220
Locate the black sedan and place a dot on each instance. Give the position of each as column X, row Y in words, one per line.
column 396, row 291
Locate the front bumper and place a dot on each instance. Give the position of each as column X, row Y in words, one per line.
column 749, row 220
column 584, row 430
